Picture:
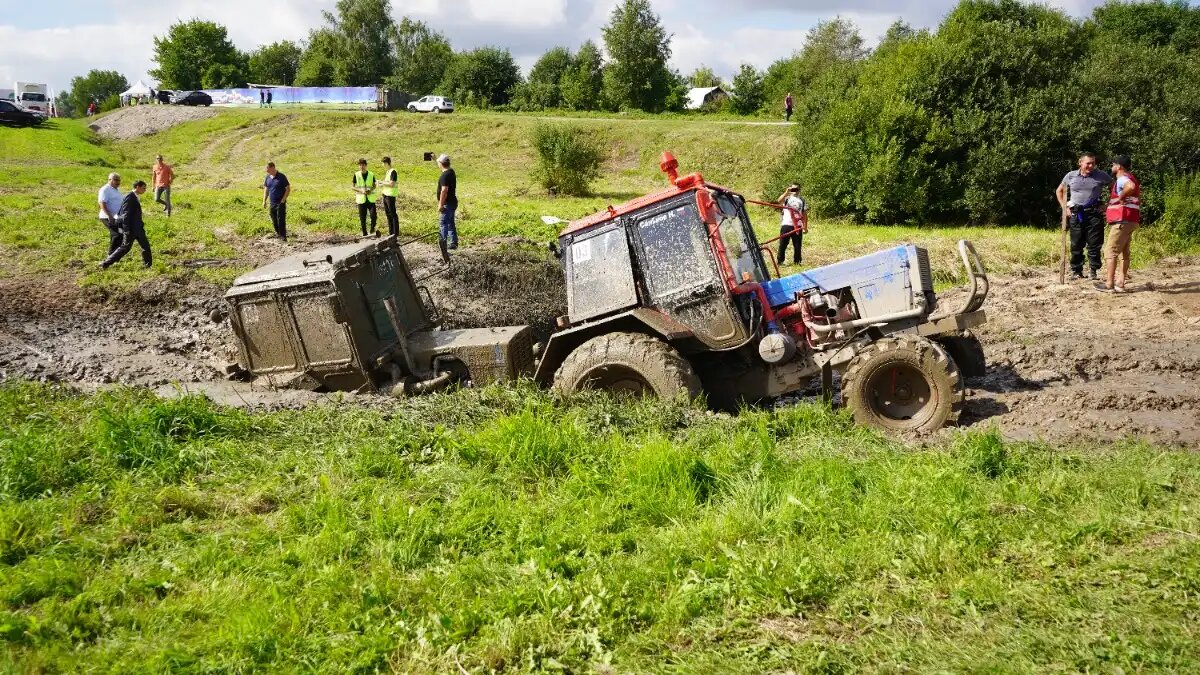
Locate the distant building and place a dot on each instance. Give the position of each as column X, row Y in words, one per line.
column 700, row 97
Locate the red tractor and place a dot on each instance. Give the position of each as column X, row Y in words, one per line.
column 670, row 294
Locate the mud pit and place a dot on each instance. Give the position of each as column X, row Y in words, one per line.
column 1065, row 362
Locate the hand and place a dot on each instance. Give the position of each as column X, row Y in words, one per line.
column 441, row 209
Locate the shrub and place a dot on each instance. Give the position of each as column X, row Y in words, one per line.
column 568, row 158
column 1182, row 215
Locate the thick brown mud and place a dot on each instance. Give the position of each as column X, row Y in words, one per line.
column 1065, row 363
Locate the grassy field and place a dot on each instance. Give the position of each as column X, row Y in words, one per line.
column 47, row 202
column 498, row 530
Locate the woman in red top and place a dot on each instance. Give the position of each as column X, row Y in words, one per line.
column 1124, row 213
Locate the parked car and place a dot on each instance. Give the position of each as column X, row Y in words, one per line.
column 14, row 115
column 191, row 98
column 164, row 95
column 434, row 104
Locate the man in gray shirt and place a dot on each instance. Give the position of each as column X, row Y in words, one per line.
column 1082, row 195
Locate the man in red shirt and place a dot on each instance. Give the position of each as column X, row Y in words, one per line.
column 163, row 177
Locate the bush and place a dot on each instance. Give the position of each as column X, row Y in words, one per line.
column 1182, row 216
column 568, row 158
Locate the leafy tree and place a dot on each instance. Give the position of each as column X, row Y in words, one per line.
column 189, row 50
column 747, row 90
column 64, row 105
column 482, row 77
column 543, row 89
column 421, row 56
column 580, row 86
column 703, row 77
column 321, row 64
column 353, row 49
column 224, row 76
column 639, row 47
column 97, row 85
column 275, row 63
column 832, row 51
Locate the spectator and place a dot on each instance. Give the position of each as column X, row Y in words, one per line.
column 132, row 228
column 447, row 192
column 1080, row 194
column 794, row 223
column 270, row 97
column 787, row 107
column 390, row 192
column 110, row 207
column 364, row 196
column 276, row 190
column 164, row 175
column 262, row 98
column 1124, row 213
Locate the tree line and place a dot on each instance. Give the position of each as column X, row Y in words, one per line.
column 978, row 119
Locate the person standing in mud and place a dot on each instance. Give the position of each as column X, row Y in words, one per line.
column 390, row 192
column 132, row 228
column 276, row 190
column 1081, row 196
column 447, row 193
column 364, row 196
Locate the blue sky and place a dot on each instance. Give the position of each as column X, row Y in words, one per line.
column 53, row 40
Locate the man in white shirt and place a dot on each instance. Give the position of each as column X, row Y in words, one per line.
column 793, row 224
column 110, row 198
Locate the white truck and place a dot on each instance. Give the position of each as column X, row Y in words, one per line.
column 33, row 95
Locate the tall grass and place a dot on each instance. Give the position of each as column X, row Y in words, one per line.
column 500, row 530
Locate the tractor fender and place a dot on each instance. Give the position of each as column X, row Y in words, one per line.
column 641, row 320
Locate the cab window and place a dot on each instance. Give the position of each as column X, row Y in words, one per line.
column 740, row 248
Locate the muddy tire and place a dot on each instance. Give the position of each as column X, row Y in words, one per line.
column 967, row 353
column 903, row 383
column 630, row 364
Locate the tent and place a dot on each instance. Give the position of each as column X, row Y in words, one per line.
column 139, row 89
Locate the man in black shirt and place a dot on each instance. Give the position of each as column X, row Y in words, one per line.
column 132, row 228
column 447, row 193
column 276, row 188
column 390, row 192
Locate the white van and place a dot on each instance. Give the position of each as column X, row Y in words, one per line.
column 34, row 96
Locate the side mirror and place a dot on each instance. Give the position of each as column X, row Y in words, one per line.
column 553, row 246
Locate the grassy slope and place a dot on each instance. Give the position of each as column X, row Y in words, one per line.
column 47, row 211
column 501, row 530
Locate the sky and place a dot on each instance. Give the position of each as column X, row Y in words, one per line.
column 52, row 41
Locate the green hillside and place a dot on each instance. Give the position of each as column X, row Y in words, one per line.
column 47, row 206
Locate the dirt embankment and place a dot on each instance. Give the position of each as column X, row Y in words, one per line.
column 1064, row 362
column 143, row 120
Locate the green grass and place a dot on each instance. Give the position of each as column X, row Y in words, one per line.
column 47, row 209
column 499, row 530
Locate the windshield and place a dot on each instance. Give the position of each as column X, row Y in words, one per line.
column 740, row 248
column 37, row 98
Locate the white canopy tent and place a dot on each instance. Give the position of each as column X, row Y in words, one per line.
column 139, row 89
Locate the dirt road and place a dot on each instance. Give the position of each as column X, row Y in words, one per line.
column 1065, row 362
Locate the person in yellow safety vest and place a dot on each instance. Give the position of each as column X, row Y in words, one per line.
column 364, row 195
column 390, row 192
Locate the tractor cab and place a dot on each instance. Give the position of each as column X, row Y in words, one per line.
column 674, row 259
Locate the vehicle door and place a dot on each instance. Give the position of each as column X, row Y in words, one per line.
column 681, row 276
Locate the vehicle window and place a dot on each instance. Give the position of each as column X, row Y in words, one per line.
column 599, row 274
column 676, row 251
column 6, row 106
column 37, row 98
column 739, row 248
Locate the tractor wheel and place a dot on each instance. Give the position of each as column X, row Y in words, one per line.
column 630, row 364
column 903, row 383
column 967, row 353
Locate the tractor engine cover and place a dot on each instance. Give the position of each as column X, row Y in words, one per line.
column 777, row 348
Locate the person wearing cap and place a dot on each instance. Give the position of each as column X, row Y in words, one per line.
column 390, row 192
column 447, row 194
column 164, row 175
column 364, row 195
column 1124, row 213
column 1081, row 196
column 110, row 207
column 132, row 228
column 794, row 223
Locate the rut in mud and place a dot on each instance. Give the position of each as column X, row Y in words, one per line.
column 1065, row 362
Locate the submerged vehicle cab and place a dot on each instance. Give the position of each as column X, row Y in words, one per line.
column 671, row 294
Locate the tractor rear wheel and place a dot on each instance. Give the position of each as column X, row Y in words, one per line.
column 903, row 383
column 967, row 353
column 630, row 364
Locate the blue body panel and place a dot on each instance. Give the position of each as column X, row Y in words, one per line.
column 878, row 271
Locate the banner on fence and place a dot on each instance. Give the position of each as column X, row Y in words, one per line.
column 295, row 96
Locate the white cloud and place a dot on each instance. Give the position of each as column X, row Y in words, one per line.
column 524, row 13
